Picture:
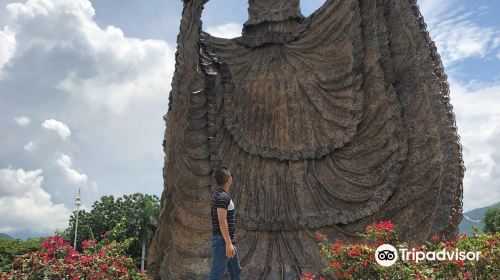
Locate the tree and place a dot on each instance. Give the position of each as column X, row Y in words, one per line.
column 492, row 220
column 142, row 217
column 146, row 219
column 135, row 214
column 12, row 248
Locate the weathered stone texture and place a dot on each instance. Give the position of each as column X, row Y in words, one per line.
column 328, row 122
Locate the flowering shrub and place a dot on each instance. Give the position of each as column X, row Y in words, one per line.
column 58, row 260
column 11, row 248
column 357, row 260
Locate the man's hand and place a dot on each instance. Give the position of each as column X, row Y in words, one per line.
column 230, row 250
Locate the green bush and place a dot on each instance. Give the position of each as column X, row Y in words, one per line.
column 12, row 248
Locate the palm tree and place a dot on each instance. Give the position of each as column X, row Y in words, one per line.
column 146, row 221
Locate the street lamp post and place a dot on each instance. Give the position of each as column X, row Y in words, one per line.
column 77, row 203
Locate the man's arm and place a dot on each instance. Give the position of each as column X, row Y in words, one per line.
column 224, row 229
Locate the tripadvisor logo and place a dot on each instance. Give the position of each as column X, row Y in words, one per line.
column 387, row 255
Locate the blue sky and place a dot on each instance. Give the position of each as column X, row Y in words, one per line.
column 84, row 86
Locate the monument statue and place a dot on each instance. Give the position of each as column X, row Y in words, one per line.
column 328, row 122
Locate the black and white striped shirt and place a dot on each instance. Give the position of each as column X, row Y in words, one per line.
column 221, row 199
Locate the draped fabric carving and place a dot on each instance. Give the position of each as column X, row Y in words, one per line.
column 328, row 122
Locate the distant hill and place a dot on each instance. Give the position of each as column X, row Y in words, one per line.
column 23, row 235
column 4, row 235
column 475, row 218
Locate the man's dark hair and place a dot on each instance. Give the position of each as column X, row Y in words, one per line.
column 221, row 175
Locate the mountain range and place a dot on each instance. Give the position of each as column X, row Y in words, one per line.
column 474, row 218
column 4, row 235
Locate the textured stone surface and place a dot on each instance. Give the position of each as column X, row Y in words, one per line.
column 328, row 122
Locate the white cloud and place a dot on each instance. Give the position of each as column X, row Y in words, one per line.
column 61, row 128
column 22, row 120
column 108, row 87
column 228, row 30
column 94, row 186
column 121, row 70
column 118, row 70
column 25, row 205
column 478, row 121
column 458, row 39
column 75, row 177
column 7, row 47
column 434, row 10
column 476, row 104
column 143, row 67
column 29, row 147
column 457, row 35
column 497, row 42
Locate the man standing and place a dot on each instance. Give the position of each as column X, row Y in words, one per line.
column 224, row 253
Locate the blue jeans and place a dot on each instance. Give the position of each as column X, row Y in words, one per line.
column 220, row 261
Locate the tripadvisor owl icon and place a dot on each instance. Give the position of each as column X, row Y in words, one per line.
column 386, row 255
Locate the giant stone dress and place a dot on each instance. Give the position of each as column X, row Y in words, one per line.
column 328, row 122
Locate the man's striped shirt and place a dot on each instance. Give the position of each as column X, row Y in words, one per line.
column 220, row 199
